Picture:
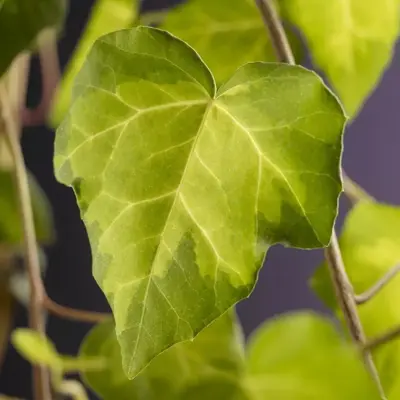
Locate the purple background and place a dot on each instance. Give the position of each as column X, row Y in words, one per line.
column 370, row 157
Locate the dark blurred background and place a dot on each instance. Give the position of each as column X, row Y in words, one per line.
column 371, row 157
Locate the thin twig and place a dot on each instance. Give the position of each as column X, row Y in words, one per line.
column 346, row 299
column 50, row 71
column 383, row 339
column 378, row 286
column 41, row 381
column 17, row 84
column 343, row 288
column 354, row 191
column 74, row 314
column 276, row 31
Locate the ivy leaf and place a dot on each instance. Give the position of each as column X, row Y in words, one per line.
column 20, row 23
column 226, row 33
column 39, row 350
column 352, row 41
column 216, row 353
column 11, row 232
column 35, row 348
column 301, row 356
column 183, row 189
column 370, row 244
column 106, row 16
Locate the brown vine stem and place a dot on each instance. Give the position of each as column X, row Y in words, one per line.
column 17, row 84
column 72, row 313
column 354, row 191
column 276, row 32
column 343, row 288
column 50, row 71
column 10, row 118
column 378, row 286
column 346, row 299
column 383, row 339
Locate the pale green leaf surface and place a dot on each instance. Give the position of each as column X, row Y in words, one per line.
column 370, row 244
column 226, row 33
column 183, row 189
column 20, row 23
column 106, row 16
column 35, row 348
column 215, row 355
column 11, row 232
column 350, row 40
column 301, row 356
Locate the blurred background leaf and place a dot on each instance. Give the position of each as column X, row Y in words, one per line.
column 106, row 16
column 216, row 353
column 226, row 34
column 20, row 23
column 351, row 41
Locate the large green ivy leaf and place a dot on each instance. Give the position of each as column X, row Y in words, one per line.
column 106, row 16
column 302, row 357
column 20, row 23
column 11, row 231
column 216, row 354
column 226, row 33
column 183, row 188
column 370, row 244
column 351, row 41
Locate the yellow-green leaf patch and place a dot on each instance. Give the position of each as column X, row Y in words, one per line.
column 352, row 41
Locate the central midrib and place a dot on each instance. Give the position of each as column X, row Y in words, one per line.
column 198, row 134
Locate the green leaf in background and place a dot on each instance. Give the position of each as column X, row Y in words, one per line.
column 370, row 244
column 40, row 350
column 183, row 189
column 106, row 16
column 301, row 356
column 226, row 33
column 350, row 40
column 20, row 23
column 11, row 232
column 215, row 354
column 35, row 348
column 298, row 356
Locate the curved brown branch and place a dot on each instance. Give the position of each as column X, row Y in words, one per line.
column 346, row 299
column 378, row 286
column 74, row 314
column 385, row 338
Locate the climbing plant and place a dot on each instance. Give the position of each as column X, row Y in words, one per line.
column 194, row 141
